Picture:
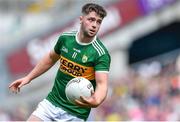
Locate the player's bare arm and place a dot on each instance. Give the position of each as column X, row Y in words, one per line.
column 44, row 64
column 100, row 92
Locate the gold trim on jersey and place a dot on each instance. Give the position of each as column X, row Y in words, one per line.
column 74, row 69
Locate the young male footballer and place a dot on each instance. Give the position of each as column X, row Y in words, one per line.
column 80, row 53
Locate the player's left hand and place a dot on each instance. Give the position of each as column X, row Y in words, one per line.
column 90, row 102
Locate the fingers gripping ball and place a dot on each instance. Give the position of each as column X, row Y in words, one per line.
column 77, row 87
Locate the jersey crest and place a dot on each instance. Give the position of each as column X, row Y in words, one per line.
column 84, row 59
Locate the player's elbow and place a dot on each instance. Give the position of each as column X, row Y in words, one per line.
column 96, row 105
column 98, row 102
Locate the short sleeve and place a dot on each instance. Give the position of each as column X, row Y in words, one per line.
column 57, row 47
column 103, row 63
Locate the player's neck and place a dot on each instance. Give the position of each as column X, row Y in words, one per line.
column 84, row 39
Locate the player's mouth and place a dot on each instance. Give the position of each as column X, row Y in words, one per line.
column 92, row 31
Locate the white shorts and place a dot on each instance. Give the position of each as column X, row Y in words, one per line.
column 48, row 112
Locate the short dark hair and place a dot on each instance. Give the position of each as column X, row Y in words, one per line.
column 89, row 7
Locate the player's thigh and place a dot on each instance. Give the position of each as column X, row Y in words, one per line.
column 34, row 118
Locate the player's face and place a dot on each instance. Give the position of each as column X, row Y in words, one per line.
column 90, row 24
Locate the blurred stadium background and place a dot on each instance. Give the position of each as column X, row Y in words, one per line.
column 143, row 37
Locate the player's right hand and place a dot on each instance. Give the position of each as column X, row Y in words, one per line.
column 16, row 85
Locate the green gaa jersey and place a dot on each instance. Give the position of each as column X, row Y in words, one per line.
column 77, row 59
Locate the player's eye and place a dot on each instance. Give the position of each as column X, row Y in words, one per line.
column 91, row 19
column 99, row 22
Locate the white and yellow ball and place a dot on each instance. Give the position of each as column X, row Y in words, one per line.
column 77, row 87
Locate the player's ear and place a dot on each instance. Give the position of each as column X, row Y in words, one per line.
column 81, row 18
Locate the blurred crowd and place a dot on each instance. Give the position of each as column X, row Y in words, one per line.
column 17, row 113
column 143, row 97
